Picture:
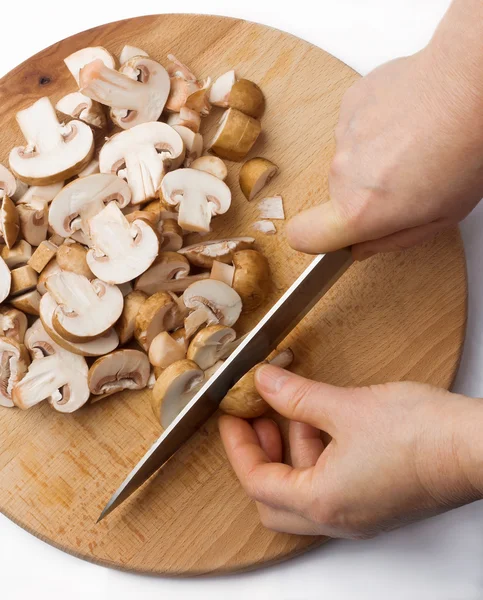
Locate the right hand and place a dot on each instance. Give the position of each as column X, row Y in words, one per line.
column 409, row 160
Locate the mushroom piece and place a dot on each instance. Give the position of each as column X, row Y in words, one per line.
column 166, row 348
column 79, row 106
column 221, row 88
column 171, row 233
column 186, row 90
column 37, row 193
column 222, row 272
column 136, row 93
column 193, row 144
column 27, row 303
column 13, row 324
column 91, row 169
column 14, row 360
column 33, row 221
column 264, row 226
column 121, row 250
column 142, row 156
column 126, row 288
column 203, row 254
column 197, row 319
column 219, row 298
column 53, row 152
column 252, row 279
column 5, row 280
column 42, row 256
column 247, row 97
column 212, row 370
column 98, row 347
column 85, row 309
column 24, row 279
column 54, row 375
column 18, row 255
column 84, row 198
column 73, row 257
column 211, row 164
column 243, row 400
column 178, row 285
column 209, row 345
column 129, row 52
column 236, row 135
column 160, row 312
column 52, row 268
column 167, row 266
column 9, row 221
column 199, row 195
column 150, row 217
column 271, row 208
column 174, row 388
column 8, row 184
column 255, row 174
column 118, row 371
column 78, row 60
column 127, row 321
column 185, row 118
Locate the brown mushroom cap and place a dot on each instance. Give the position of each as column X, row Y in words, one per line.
column 223, row 301
column 255, row 174
column 13, row 324
column 9, row 221
column 208, row 345
column 167, row 266
column 127, row 321
column 172, row 235
column 211, row 164
column 160, row 312
column 247, row 97
column 24, row 279
column 73, row 257
column 120, row 370
column 236, row 135
column 14, row 360
column 252, row 279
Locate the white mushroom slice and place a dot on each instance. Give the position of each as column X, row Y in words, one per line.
column 203, row 254
column 33, row 221
column 265, row 226
column 52, row 268
column 196, row 319
column 37, row 193
column 28, row 303
column 167, row 266
column 78, row 60
column 160, row 312
column 9, row 221
column 176, row 68
column 165, row 349
column 222, row 272
column 211, row 164
column 221, row 89
column 185, row 118
column 8, row 183
column 18, row 255
column 14, row 360
column 219, row 298
column 53, row 152
column 199, row 196
column 212, row 370
column 143, row 154
column 13, row 324
column 174, row 388
column 129, row 52
column 91, row 169
column 271, row 208
column 98, row 347
column 122, row 250
column 118, row 371
column 132, row 101
column 78, row 106
column 85, row 309
column 84, row 198
column 209, row 345
column 176, row 285
column 193, row 143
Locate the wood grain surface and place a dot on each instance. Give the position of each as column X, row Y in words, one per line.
column 391, row 318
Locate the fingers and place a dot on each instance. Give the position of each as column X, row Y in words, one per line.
column 274, row 484
column 285, row 521
column 306, row 445
column 270, row 439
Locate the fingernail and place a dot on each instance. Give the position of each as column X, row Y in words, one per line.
column 271, row 379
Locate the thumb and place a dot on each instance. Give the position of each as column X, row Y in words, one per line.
column 300, row 399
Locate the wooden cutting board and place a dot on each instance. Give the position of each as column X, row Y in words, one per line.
column 392, row 318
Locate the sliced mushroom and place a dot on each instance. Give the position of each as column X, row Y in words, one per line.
column 85, row 309
column 129, row 52
column 9, row 221
column 209, row 345
column 54, row 375
column 247, row 97
column 160, row 312
column 8, row 183
column 127, row 321
column 193, row 144
column 185, row 118
column 178, row 285
column 200, row 196
column 53, row 152
column 184, row 84
column 243, row 400
column 255, row 174
column 236, row 135
column 52, row 268
column 33, row 221
column 271, row 208
column 136, row 93
column 219, row 298
column 167, row 266
column 212, row 370
column 211, row 164
column 78, row 60
column 18, row 255
column 174, row 388
column 84, row 198
column 252, row 279
column 13, row 324
column 142, row 156
column 198, row 318
column 79, row 106
column 14, row 360
column 98, row 347
column 73, row 257
column 91, row 169
column 172, row 235
column 42, row 256
column 121, row 250
column 202, row 254
column 221, row 88
column 118, row 371
column 5, row 280
column 28, row 303
column 166, row 348
column 222, row 272
column 24, row 279
column 145, row 215
column 265, row 226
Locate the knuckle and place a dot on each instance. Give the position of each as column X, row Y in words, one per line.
column 340, row 162
column 297, row 397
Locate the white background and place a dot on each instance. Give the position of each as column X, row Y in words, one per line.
column 439, row 559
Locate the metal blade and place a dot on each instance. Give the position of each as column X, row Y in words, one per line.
column 292, row 307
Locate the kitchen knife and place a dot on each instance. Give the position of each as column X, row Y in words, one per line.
column 292, row 307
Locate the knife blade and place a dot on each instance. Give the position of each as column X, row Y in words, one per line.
column 321, row 274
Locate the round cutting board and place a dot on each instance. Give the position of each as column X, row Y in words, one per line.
column 394, row 317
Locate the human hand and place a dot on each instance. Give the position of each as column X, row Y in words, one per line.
column 399, row 452
column 408, row 162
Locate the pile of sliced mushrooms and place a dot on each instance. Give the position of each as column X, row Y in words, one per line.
column 99, row 292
